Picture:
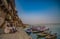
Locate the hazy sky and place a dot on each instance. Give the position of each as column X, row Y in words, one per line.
column 38, row 11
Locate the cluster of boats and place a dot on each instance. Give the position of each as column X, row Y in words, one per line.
column 41, row 31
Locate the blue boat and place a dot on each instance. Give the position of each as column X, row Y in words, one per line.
column 28, row 31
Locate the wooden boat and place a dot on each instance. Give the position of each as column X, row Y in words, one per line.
column 36, row 31
column 51, row 37
column 39, row 28
column 28, row 31
column 42, row 34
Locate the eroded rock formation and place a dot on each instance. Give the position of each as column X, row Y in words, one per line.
column 8, row 13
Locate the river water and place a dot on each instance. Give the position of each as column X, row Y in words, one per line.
column 53, row 28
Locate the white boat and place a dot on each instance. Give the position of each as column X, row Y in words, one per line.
column 39, row 28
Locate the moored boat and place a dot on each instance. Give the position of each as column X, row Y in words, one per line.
column 51, row 36
column 39, row 28
column 42, row 34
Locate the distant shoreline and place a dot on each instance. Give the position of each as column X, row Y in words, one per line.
column 44, row 24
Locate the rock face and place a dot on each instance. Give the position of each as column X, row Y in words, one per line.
column 1, row 21
column 8, row 13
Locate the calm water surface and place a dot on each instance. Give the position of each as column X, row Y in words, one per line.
column 54, row 29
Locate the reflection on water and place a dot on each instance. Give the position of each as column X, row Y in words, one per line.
column 34, row 36
column 53, row 28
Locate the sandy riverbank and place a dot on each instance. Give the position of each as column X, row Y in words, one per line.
column 18, row 35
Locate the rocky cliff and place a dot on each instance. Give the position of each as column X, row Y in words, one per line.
column 8, row 15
